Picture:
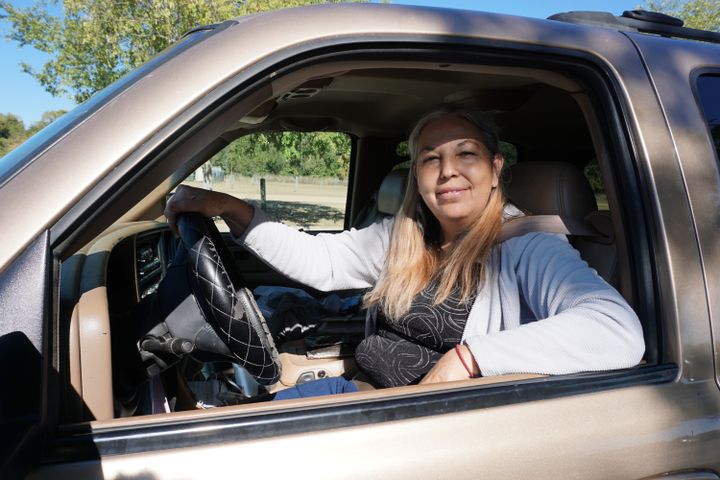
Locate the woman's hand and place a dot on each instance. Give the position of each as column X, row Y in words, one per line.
column 236, row 213
column 450, row 368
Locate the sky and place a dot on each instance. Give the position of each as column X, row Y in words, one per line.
column 23, row 96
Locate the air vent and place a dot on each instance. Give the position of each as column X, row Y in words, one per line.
column 306, row 90
column 299, row 93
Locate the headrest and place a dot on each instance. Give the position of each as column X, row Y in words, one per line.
column 392, row 191
column 550, row 188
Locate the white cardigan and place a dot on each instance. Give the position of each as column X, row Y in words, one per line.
column 540, row 310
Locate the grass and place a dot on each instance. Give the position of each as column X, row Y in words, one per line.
column 602, row 202
column 309, row 204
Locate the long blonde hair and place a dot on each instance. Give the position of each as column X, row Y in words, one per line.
column 415, row 257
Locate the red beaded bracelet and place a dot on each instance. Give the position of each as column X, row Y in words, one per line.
column 462, row 360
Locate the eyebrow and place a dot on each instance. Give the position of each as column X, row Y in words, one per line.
column 469, row 140
column 430, row 148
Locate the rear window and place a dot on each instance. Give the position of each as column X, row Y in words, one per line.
column 708, row 88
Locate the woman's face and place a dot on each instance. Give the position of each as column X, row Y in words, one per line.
column 455, row 172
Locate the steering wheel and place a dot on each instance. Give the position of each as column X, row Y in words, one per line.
column 226, row 304
column 203, row 309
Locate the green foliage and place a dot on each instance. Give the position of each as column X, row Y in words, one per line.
column 46, row 119
column 700, row 14
column 592, row 173
column 402, row 149
column 95, row 42
column 319, row 154
column 13, row 131
column 509, row 153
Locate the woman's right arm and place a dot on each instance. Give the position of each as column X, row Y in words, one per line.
column 236, row 213
column 348, row 260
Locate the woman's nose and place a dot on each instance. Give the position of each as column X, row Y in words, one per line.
column 448, row 168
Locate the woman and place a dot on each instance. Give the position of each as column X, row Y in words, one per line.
column 452, row 303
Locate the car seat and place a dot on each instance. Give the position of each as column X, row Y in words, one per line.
column 386, row 201
column 559, row 188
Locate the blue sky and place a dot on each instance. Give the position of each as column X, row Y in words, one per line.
column 23, row 96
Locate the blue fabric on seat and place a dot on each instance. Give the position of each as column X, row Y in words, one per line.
column 317, row 388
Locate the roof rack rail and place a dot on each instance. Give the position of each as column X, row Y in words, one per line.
column 639, row 21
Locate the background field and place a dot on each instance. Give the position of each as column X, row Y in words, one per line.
column 312, row 204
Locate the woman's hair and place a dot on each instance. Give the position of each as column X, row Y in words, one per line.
column 415, row 257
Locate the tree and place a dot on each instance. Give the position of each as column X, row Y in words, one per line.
column 700, row 14
column 95, row 42
column 306, row 154
column 12, row 132
column 46, row 119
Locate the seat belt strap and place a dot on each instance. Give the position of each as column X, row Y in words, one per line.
column 548, row 224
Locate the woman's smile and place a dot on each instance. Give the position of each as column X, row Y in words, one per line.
column 451, row 193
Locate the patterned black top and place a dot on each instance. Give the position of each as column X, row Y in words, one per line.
column 401, row 352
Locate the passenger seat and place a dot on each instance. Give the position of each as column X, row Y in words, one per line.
column 559, row 188
column 386, row 201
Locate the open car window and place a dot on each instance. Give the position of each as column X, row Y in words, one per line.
column 298, row 178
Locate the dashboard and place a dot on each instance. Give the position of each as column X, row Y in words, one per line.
column 100, row 287
column 153, row 254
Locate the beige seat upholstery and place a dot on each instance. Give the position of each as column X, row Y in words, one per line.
column 550, row 188
column 558, row 188
column 392, row 191
column 386, row 201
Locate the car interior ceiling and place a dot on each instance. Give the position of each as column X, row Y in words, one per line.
column 544, row 114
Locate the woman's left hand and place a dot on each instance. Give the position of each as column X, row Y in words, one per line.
column 450, row 368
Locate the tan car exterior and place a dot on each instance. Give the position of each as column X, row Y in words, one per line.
column 660, row 420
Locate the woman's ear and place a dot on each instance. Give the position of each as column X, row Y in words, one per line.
column 498, row 162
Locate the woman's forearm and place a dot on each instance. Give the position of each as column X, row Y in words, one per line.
column 235, row 212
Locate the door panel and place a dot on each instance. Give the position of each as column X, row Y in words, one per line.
column 25, row 302
column 631, row 432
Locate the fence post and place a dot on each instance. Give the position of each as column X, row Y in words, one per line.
column 263, row 203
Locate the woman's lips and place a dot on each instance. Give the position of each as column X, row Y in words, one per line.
column 450, row 193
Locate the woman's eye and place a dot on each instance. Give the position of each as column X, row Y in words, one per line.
column 429, row 159
column 467, row 154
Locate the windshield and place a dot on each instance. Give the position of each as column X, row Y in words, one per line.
column 24, row 154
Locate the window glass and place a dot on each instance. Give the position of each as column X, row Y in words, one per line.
column 299, row 178
column 708, row 87
column 592, row 173
column 509, row 153
column 402, row 149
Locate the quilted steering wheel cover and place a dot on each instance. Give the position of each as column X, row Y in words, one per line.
column 233, row 314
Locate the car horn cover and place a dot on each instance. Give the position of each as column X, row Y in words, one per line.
column 229, row 308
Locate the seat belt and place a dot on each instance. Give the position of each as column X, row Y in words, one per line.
column 549, row 224
column 520, row 226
